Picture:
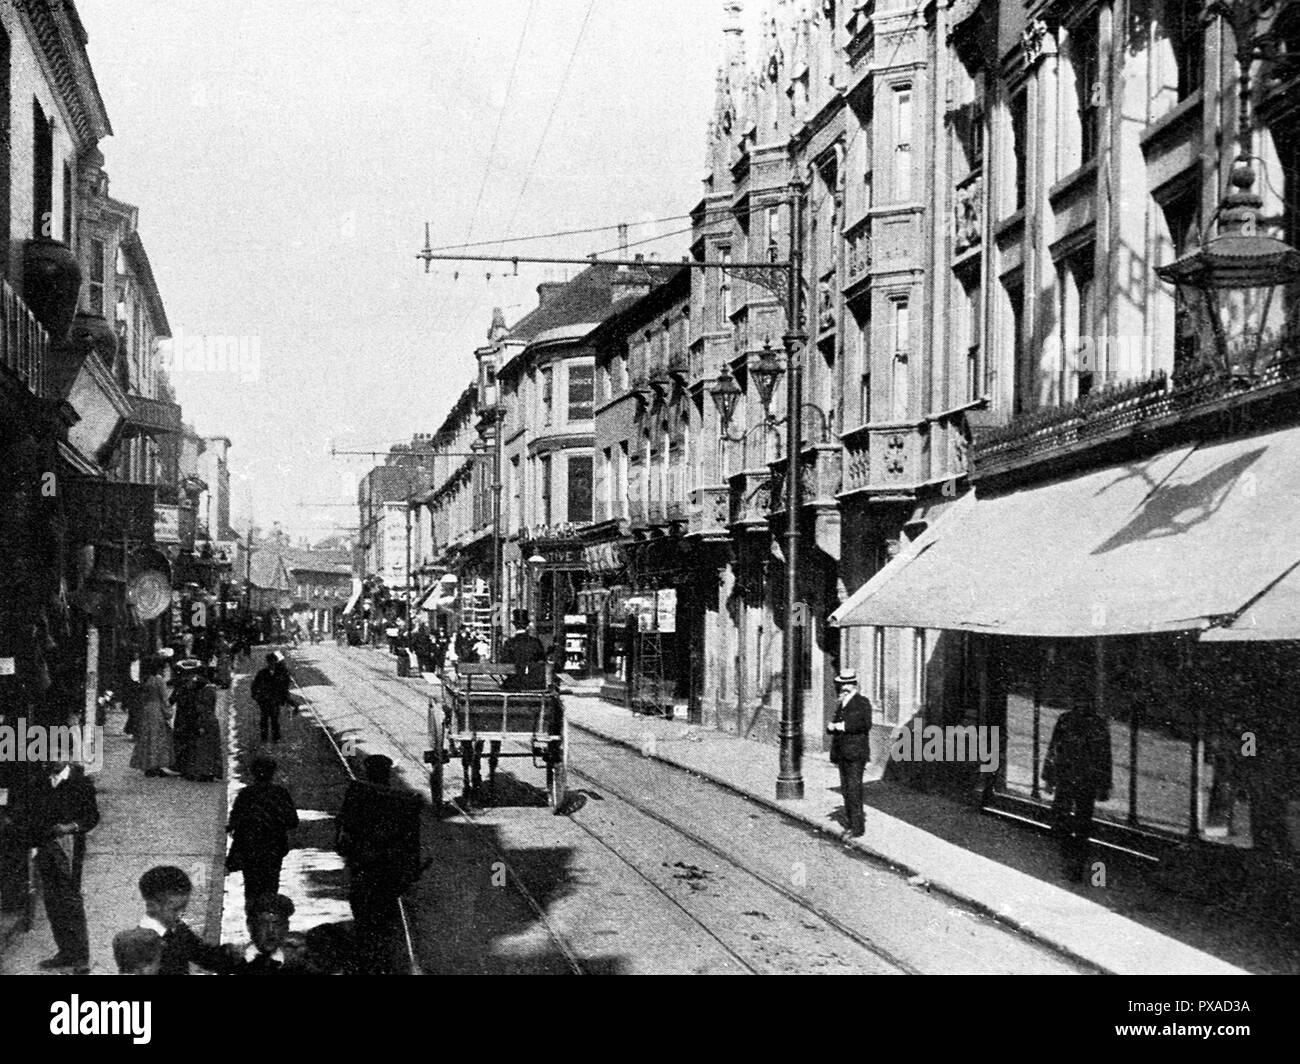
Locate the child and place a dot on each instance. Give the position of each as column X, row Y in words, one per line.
column 138, row 951
column 268, row 926
column 166, row 892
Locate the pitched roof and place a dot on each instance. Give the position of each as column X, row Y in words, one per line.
column 338, row 562
column 586, row 298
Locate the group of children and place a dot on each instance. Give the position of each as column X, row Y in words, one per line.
column 163, row 944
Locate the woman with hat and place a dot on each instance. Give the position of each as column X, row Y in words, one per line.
column 196, row 733
column 153, row 741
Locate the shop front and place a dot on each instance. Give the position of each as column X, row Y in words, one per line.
column 1161, row 594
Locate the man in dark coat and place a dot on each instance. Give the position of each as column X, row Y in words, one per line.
column 379, row 839
column 260, row 820
column 270, row 692
column 63, row 810
column 851, row 747
column 527, row 654
column 422, row 644
column 1078, row 769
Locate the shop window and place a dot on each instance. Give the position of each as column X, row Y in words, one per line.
column 580, row 392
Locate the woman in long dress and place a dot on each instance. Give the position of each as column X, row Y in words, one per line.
column 199, row 754
column 153, row 741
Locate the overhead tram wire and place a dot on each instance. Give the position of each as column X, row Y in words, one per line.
column 559, row 94
column 501, row 114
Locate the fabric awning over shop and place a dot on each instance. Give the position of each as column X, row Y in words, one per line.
column 1181, row 540
column 1274, row 614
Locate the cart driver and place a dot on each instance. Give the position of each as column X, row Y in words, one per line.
column 526, row 653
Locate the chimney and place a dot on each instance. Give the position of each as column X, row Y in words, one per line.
column 548, row 292
column 630, row 284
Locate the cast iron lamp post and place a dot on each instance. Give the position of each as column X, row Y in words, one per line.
column 1229, row 283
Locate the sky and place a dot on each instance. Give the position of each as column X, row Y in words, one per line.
column 285, row 157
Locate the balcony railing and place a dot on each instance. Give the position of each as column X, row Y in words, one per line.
column 24, row 344
column 153, row 417
column 820, row 481
column 1112, row 412
column 857, row 459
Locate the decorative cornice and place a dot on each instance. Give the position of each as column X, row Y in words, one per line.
column 57, row 30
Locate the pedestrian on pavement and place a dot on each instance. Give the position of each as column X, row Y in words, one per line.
column 378, row 836
column 166, row 891
column 851, row 747
column 138, row 951
column 260, row 820
column 196, row 735
column 422, row 644
column 268, row 928
column 225, row 656
column 154, row 753
column 1078, row 769
column 270, row 692
column 63, row 811
column 466, row 648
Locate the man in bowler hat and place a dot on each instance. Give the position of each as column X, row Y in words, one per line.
column 851, row 747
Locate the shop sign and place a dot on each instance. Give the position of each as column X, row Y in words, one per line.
column 666, row 609
column 166, row 523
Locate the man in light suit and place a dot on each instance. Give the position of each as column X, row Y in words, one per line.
column 851, row 747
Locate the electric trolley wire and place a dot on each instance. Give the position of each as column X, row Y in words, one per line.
column 501, row 114
column 559, row 94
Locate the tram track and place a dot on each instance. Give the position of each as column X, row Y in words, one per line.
column 884, row 956
column 516, row 880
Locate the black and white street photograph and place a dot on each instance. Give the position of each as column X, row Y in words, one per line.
column 650, row 487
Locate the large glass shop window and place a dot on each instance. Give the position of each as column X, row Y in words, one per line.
column 1143, row 701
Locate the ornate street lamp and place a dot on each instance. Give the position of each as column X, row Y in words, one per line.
column 726, row 393
column 766, row 372
column 1229, row 283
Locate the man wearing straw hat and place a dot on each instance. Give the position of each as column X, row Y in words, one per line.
column 851, row 747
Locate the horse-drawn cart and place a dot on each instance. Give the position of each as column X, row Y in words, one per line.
column 481, row 704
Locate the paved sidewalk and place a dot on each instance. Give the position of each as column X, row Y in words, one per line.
column 1021, row 885
column 144, row 821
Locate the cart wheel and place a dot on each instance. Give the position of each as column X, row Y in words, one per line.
column 435, row 773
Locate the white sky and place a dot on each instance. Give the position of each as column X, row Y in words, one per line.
column 285, row 156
